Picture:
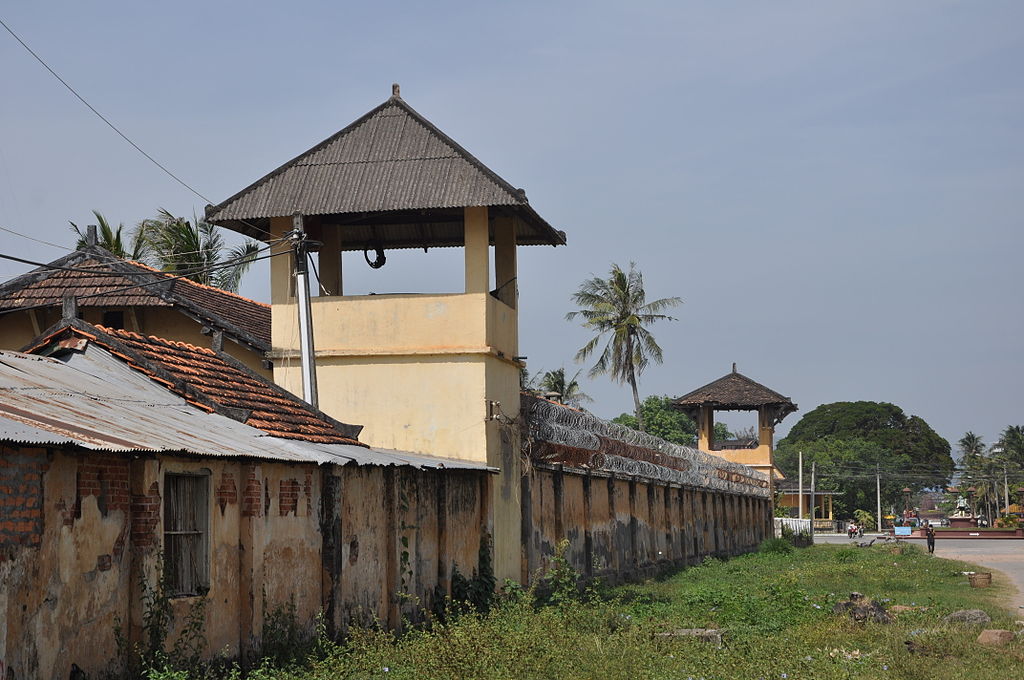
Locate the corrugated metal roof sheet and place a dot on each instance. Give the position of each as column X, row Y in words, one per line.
column 95, row 401
column 226, row 382
column 390, row 160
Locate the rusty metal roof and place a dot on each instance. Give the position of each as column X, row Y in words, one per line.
column 92, row 400
column 394, row 176
column 242, row 319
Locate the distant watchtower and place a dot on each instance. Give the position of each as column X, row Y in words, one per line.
column 429, row 373
column 736, row 392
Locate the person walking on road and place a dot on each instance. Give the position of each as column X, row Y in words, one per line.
column 929, row 534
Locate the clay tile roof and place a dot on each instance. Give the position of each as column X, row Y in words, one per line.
column 52, row 289
column 390, row 160
column 735, row 391
column 246, row 320
column 230, row 385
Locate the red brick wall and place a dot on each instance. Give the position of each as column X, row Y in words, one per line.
column 21, row 497
column 106, row 478
column 288, row 498
column 226, row 492
column 145, row 517
column 252, row 497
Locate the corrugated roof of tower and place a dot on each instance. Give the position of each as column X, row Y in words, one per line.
column 392, row 169
column 735, row 391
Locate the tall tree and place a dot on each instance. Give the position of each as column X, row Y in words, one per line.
column 1011, row 444
column 847, row 466
column 178, row 245
column 115, row 240
column 617, row 309
column 929, row 462
column 971, row 447
column 663, row 421
column 568, row 389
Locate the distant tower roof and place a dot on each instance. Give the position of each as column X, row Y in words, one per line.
column 390, row 179
column 735, row 392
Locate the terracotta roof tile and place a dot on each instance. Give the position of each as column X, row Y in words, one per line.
column 48, row 288
column 232, row 386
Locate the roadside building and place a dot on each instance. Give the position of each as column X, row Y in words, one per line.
column 118, row 293
column 124, row 457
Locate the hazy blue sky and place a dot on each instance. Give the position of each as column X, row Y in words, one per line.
column 836, row 190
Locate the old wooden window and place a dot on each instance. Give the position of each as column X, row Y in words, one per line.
column 187, row 533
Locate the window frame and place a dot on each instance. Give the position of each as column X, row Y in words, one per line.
column 186, row 564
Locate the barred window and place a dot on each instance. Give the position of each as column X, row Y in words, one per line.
column 187, row 534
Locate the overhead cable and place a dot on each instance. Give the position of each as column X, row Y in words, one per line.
column 114, row 127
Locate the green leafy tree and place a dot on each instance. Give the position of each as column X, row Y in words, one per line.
column 928, row 461
column 617, row 309
column 722, row 433
column 569, row 389
column 971, row 447
column 178, row 246
column 864, row 518
column 847, row 467
column 1011, row 444
column 663, row 421
column 119, row 243
column 991, row 471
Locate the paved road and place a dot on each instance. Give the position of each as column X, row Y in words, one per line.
column 1005, row 555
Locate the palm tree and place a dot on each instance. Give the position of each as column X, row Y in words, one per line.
column 114, row 240
column 1011, row 441
column 616, row 307
column 569, row 390
column 971, row 446
column 178, row 245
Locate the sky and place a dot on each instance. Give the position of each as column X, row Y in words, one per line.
column 835, row 190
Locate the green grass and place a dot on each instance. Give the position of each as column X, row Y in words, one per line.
column 775, row 607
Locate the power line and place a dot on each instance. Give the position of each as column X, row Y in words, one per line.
column 114, row 127
column 45, row 243
column 163, row 278
column 100, row 115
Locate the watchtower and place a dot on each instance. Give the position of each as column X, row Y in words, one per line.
column 736, row 392
column 428, row 373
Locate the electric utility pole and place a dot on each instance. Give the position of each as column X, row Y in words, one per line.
column 813, row 464
column 1006, row 492
column 878, row 497
column 301, row 246
column 800, row 487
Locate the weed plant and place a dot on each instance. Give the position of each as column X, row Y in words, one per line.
column 774, row 606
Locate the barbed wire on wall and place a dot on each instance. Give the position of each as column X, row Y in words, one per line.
column 601, row 445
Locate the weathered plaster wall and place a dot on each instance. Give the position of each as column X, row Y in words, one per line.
column 621, row 528
column 63, row 560
column 80, row 533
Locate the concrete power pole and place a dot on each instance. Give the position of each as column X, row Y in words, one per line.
column 813, row 465
column 1006, row 491
column 800, row 487
column 878, row 497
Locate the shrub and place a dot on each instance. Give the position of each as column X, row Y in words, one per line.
column 776, row 546
column 1008, row 522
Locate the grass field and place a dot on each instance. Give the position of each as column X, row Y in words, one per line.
column 775, row 609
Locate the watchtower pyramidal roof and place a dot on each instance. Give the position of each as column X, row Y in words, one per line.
column 735, row 392
column 390, row 179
